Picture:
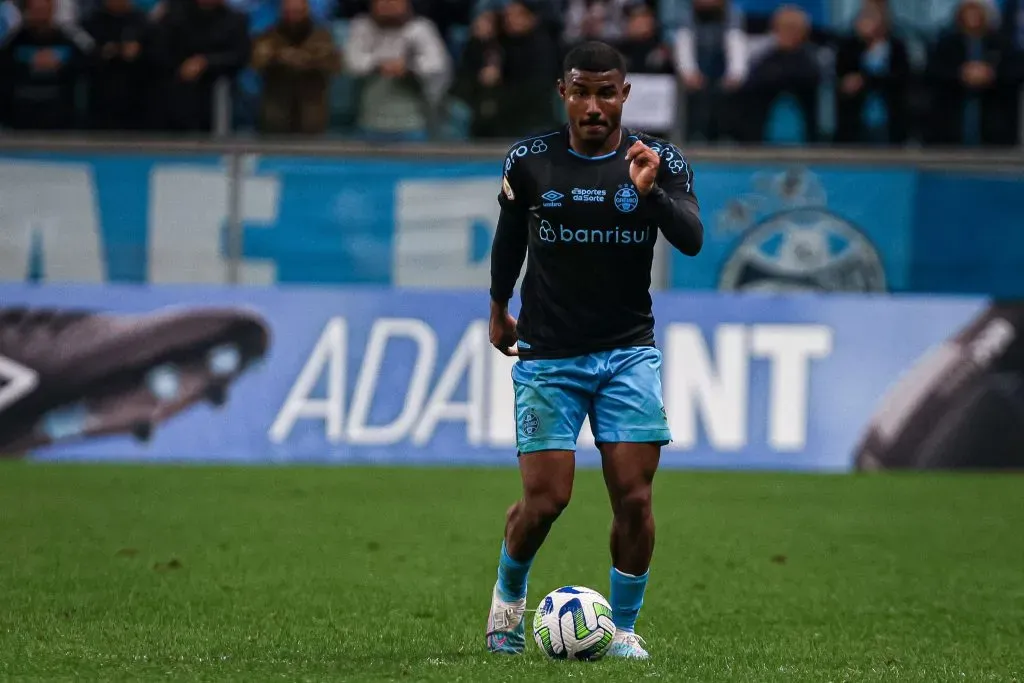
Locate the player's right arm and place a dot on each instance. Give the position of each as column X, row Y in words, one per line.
column 508, row 251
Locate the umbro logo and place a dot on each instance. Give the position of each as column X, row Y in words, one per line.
column 551, row 198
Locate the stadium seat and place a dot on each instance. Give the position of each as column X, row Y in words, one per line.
column 818, row 10
column 456, row 120
column 456, row 40
column 785, row 125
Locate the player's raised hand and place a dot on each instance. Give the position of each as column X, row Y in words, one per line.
column 643, row 166
column 502, row 330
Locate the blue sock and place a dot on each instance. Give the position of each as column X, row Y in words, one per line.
column 627, row 598
column 512, row 576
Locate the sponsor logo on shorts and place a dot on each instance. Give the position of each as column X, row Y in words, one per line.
column 530, row 422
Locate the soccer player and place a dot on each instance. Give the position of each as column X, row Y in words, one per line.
column 584, row 204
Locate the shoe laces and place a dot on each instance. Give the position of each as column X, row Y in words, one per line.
column 508, row 615
column 634, row 640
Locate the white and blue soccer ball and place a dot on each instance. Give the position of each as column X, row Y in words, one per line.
column 574, row 622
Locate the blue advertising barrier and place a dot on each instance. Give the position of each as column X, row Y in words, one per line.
column 370, row 375
column 413, row 223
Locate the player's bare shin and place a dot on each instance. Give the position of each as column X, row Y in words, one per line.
column 629, row 474
column 547, row 487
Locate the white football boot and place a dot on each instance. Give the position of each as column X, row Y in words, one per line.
column 629, row 645
column 506, row 625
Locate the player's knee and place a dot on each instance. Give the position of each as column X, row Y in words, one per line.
column 548, row 504
column 634, row 506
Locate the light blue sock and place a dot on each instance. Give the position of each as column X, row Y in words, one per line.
column 512, row 576
column 627, row 598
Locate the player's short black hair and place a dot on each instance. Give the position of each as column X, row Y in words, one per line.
column 594, row 56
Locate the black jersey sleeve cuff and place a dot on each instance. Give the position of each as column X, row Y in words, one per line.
column 501, row 298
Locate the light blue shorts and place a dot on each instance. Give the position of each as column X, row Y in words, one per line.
column 620, row 390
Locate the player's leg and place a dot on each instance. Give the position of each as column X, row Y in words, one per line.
column 552, row 397
column 547, row 486
column 630, row 427
column 629, row 473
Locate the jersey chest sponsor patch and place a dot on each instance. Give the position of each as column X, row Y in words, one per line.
column 614, row 200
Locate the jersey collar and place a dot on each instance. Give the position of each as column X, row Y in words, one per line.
column 624, row 136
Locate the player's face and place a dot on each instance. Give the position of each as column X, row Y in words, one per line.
column 593, row 102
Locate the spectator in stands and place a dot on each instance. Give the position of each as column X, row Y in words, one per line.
column 973, row 81
column 508, row 72
column 781, row 90
column 551, row 13
column 873, row 76
column 529, row 71
column 66, row 14
column 595, row 20
column 478, row 80
column 641, row 43
column 404, row 69
column 1013, row 24
column 198, row 43
column 296, row 59
column 40, row 67
column 10, row 18
column 446, row 14
column 263, row 14
column 118, row 74
column 712, row 54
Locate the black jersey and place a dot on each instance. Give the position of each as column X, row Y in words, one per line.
column 589, row 241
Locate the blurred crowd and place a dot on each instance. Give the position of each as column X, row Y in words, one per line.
column 747, row 71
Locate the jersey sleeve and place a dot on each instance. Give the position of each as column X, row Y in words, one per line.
column 673, row 201
column 675, row 175
column 508, row 250
column 512, row 195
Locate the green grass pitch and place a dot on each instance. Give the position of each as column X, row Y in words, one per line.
column 358, row 574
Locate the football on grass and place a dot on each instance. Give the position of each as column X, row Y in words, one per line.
column 574, row 622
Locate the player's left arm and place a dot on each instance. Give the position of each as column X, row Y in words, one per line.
column 664, row 178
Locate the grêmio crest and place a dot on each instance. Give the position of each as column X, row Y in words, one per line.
column 791, row 242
